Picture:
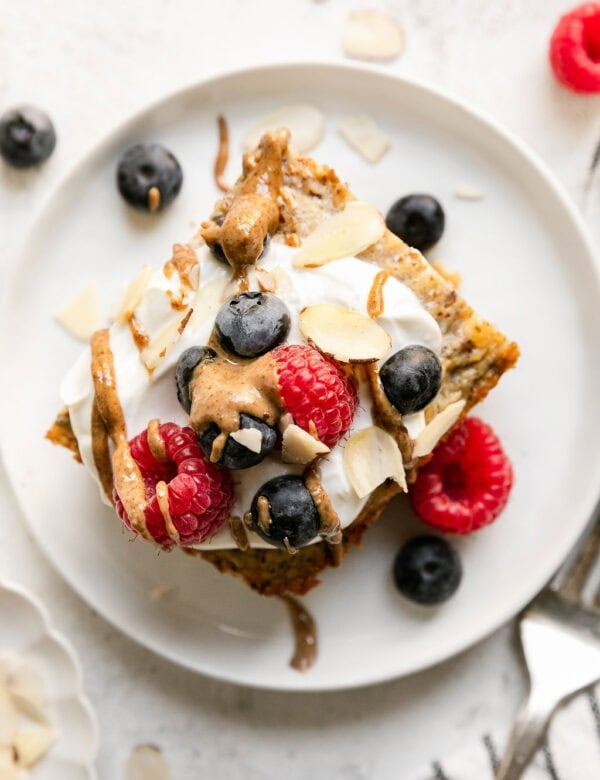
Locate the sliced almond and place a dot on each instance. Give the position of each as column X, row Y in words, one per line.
column 372, row 35
column 207, row 302
column 266, row 280
column 8, row 719
column 250, row 438
column 146, row 762
column 26, row 689
column 306, row 124
column 370, row 457
column 343, row 334
column 32, row 745
column 283, row 282
column 414, row 423
column 298, row 446
column 365, row 136
column 468, row 192
column 437, row 428
column 133, row 295
column 81, row 315
column 346, row 233
column 165, row 340
column 8, row 759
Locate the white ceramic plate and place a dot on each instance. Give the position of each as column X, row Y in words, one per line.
column 26, row 635
column 526, row 264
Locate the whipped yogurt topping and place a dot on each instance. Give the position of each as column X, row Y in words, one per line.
column 144, row 396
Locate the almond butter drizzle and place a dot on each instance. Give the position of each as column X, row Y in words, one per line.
column 184, row 262
column 238, row 532
column 127, row 477
column 330, row 527
column 253, row 388
column 305, row 635
column 254, row 210
column 162, row 497
column 157, row 445
column 222, row 154
column 101, row 452
column 386, row 416
column 140, row 336
column 375, row 304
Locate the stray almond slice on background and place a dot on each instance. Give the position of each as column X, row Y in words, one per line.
column 146, row 762
column 365, row 136
column 437, row 428
column 343, row 334
column 81, row 315
column 370, row 457
column 250, row 438
column 346, row 233
column 305, row 123
column 133, row 295
column 33, row 744
column 468, row 192
column 372, row 35
column 298, row 446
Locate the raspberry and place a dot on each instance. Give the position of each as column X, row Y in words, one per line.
column 575, row 49
column 200, row 495
column 314, row 388
column 467, row 482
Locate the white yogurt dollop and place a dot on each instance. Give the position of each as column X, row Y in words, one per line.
column 346, row 282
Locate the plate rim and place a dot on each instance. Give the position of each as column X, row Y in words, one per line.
column 61, row 641
column 586, row 502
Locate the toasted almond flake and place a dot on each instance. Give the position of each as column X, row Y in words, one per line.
column 370, row 457
column 267, row 280
column 372, row 35
column 164, row 341
column 146, row 762
column 306, row 124
column 343, row 334
column 81, row 315
column 250, row 438
column 8, row 759
column 133, row 295
column 346, row 233
column 32, row 745
column 207, row 302
column 365, row 136
column 283, row 282
column 468, row 192
column 8, row 719
column 437, row 428
column 298, row 446
column 414, row 423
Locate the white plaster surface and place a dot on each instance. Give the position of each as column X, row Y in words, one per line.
column 91, row 65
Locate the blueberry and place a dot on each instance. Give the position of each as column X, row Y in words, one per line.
column 235, row 455
column 293, row 514
column 252, row 323
column 427, row 570
column 27, row 137
column 149, row 167
column 411, row 378
column 417, row 219
column 184, row 370
column 217, row 249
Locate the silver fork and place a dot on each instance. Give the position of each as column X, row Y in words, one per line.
column 562, row 622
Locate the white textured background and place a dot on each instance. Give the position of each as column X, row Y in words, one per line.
column 91, row 65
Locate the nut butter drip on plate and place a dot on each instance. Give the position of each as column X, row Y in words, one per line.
column 305, row 634
column 330, row 528
column 254, row 210
column 251, row 387
column 127, row 477
column 156, row 443
column 222, row 154
column 375, row 300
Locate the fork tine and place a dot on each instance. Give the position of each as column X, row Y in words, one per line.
column 573, row 575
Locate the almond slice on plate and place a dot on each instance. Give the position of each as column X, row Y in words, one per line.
column 133, row 295
column 250, row 438
column 306, row 124
column 31, row 745
column 370, row 457
column 437, row 428
column 344, row 334
column 372, row 35
column 346, row 233
column 298, row 446
column 365, row 136
column 81, row 315
column 146, row 762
